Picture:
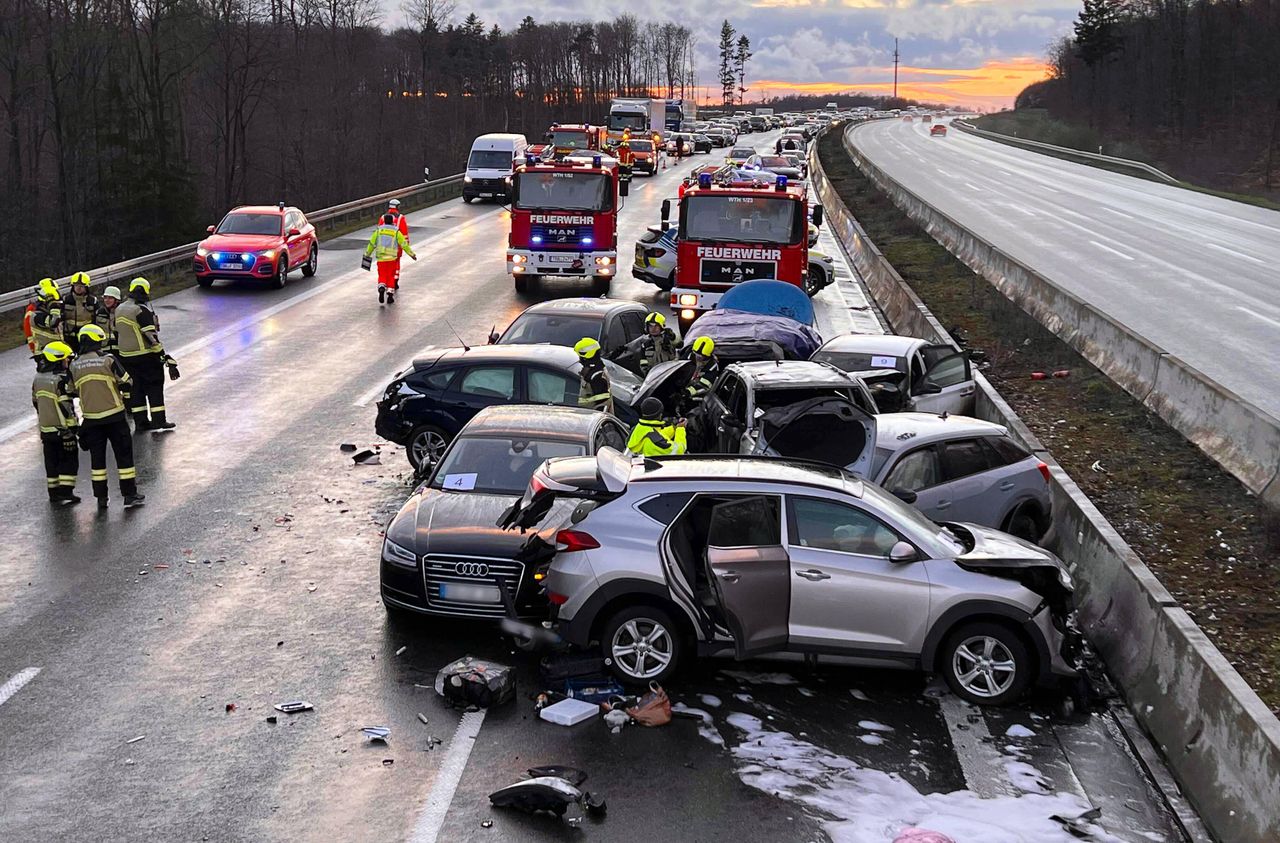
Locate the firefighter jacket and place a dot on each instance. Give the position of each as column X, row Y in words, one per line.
column 105, row 318
column 137, row 329
column 703, row 378
column 386, row 243
column 51, row 394
column 79, row 311
column 593, row 388
column 46, row 323
column 656, row 438
column 99, row 380
column 651, row 350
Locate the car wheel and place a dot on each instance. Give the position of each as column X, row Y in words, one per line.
column 1023, row 524
column 282, row 271
column 986, row 663
column 522, row 283
column 468, row 199
column 642, row 644
column 813, row 283
column 313, row 262
column 666, row 284
column 426, row 446
column 600, row 285
column 205, row 283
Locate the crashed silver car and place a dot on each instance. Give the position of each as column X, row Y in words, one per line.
column 931, row 378
column 664, row 559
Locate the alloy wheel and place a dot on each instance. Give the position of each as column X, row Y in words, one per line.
column 642, row 648
column 984, row 666
column 427, row 447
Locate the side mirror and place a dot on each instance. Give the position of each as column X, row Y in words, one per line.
column 817, row 215
column 928, row 388
column 293, row 232
column 210, row 229
column 624, row 187
column 902, row 553
column 906, row 496
column 666, row 213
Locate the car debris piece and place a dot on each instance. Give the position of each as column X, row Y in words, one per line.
column 400, row 652
column 569, row 712
column 387, row 762
column 486, row 823
column 550, row 793
column 231, row 707
column 377, row 734
column 423, row 718
column 472, row 681
column 135, row 740
column 271, row 718
column 347, row 448
column 293, row 707
column 1082, row 825
column 366, row 457
column 572, row 775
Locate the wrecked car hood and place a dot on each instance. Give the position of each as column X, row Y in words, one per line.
column 462, row 524
column 1000, row 554
column 830, row 429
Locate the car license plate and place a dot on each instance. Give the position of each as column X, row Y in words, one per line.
column 464, row 593
column 231, row 266
column 560, row 259
column 486, row 195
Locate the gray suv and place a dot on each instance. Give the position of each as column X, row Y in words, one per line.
column 664, row 559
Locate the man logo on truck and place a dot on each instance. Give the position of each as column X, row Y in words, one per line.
column 739, row 253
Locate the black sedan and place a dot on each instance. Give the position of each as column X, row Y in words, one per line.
column 443, row 553
column 613, row 322
column 425, row 406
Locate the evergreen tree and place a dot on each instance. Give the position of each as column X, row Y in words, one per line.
column 727, row 58
column 740, row 58
column 1098, row 31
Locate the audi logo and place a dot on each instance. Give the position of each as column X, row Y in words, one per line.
column 471, row 569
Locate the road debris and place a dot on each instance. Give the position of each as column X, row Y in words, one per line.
column 347, row 448
column 549, row 793
column 616, row 718
column 294, row 706
column 400, row 652
column 569, row 712
column 377, row 734
column 486, row 823
column 271, row 718
column 135, row 740
column 422, row 717
column 472, row 681
column 366, row 457
column 231, row 707
column 387, row 762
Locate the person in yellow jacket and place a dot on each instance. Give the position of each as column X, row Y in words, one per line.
column 80, row 307
column 653, row 436
column 595, row 392
column 52, row 394
column 139, row 348
column 101, row 384
column 46, row 321
column 385, row 245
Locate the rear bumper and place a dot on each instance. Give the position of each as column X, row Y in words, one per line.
column 392, row 428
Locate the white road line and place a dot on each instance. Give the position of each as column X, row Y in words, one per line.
column 982, row 764
column 15, row 683
column 974, row 186
column 1236, row 254
column 1117, row 213
column 1072, row 213
column 431, row 820
column 1257, row 315
column 1115, row 252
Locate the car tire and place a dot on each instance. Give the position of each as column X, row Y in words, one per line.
column 986, row 663
column 282, row 272
column 425, row 446
column 205, row 283
column 522, row 283
column 814, row 282
column 313, row 262
column 666, row 284
column 468, row 199
column 600, row 286
column 1023, row 523
column 657, row 630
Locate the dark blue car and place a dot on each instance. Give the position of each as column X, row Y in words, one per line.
column 426, row 405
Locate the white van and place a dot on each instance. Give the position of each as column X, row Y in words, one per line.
column 492, row 160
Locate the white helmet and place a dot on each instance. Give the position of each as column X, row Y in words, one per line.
column 112, row 291
column 394, row 203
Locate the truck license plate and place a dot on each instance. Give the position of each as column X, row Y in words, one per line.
column 560, row 259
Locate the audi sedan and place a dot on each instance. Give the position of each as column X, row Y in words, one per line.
column 258, row 243
column 443, row 553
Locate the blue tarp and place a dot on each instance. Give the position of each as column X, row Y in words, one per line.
column 770, row 298
column 729, row 328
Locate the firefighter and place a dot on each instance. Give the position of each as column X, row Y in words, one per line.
column 80, row 307
column 144, row 357
column 706, row 368
column 105, row 317
column 101, row 383
column 653, row 436
column 52, row 395
column 658, row 343
column 625, row 158
column 385, row 246
column 402, row 222
column 593, row 387
column 46, row 320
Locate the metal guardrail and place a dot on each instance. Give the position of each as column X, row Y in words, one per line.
column 105, row 275
column 1065, row 150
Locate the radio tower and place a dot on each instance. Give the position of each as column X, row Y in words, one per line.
column 895, row 68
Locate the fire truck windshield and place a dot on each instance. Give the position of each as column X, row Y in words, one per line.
column 633, row 121
column 569, row 140
column 739, row 219
column 562, row 191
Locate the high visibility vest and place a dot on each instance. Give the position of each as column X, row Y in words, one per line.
column 593, row 390
column 384, row 245
column 98, row 384
column 133, row 338
column 105, row 318
column 656, row 438
column 79, row 312
column 46, row 323
column 54, row 409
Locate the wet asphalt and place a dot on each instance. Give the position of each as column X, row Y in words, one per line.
column 164, row 635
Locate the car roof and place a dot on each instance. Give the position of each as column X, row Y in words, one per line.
column 534, row 420
column 792, row 373
column 895, row 431
column 556, row 356
column 709, row 468
column 874, row 343
column 583, row 306
column 260, row 209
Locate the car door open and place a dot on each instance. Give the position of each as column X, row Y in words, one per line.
column 749, row 572
column 947, row 383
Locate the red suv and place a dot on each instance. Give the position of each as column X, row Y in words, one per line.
column 258, row 241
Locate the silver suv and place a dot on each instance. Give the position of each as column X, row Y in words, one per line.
column 664, row 559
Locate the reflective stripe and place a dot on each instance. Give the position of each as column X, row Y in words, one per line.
column 127, row 473
column 67, row 479
column 98, row 473
column 51, row 482
column 98, row 386
column 157, row 408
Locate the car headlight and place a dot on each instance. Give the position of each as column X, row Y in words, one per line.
column 1064, row 579
column 398, row 555
column 269, row 254
column 467, row 179
column 201, row 251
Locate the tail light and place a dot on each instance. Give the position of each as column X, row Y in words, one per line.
column 1044, row 471
column 557, row 599
column 571, row 540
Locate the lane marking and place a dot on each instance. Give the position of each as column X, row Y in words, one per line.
column 1117, row 213
column 431, row 820
column 1236, row 254
column 1257, row 315
column 15, row 683
column 974, row 186
column 1115, row 252
column 981, row 763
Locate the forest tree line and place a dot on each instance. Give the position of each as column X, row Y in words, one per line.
column 1194, row 82
column 129, row 125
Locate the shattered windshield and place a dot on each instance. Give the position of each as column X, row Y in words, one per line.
column 769, row 399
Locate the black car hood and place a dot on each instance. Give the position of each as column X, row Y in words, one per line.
column 664, row 380
column 462, row 524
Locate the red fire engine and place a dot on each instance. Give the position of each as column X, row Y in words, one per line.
column 734, row 228
column 570, row 139
column 564, row 220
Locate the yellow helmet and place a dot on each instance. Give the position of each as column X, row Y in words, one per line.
column 80, row 278
column 92, row 333
column 49, row 288
column 704, row 346
column 587, row 348
column 56, row 351
column 656, row 318
column 140, row 283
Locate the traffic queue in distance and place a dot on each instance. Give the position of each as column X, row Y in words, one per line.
column 605, row 474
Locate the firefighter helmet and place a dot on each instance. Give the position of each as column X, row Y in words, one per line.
column 704, row 346
column 91, row 333
column 49, row 288
column 80, row 278
column 55, row 351
column 587, row 348
column 140, row 283
column 656, row 318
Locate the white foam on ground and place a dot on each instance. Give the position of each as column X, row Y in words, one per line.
column 706, row 726
column 746, row 698
column 858, row 695
column 873, row 726
column 873, row 740
column 1017, row 730
column 871, row 806
column 710, row 700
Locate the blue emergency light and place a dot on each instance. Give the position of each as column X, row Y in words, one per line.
column 530, row 159
column 586, row 241
column 782, row 182
column 704, row 180
column 536, row 239
column 595, row 161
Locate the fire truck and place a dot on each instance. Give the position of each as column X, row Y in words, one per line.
column 569, row 139
column 564, row 219
column 735, row 226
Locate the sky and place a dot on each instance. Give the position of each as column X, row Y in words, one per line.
column 975, row 53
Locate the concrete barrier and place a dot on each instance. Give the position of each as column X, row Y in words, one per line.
column 1236, row 434
column 1217, row 737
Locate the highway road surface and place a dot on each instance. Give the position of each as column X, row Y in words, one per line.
column 141, row 652
column 1192, row 273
